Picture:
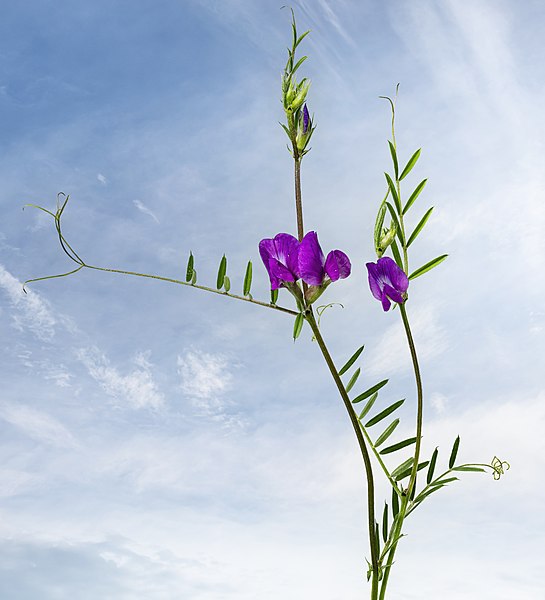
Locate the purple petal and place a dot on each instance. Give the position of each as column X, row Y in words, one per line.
column 337, row 265
column 306, row 118
column 393, row 274
column 393, row 294
column 311, row 260
column 266, row 250
column 287, row 251
column 278, row 273
column 374, row 285
column 385, row 303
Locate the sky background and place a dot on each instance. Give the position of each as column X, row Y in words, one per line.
column 162, row 443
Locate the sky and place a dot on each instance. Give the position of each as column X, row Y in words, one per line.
column 164, row 443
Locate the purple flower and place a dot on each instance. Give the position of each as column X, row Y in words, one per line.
column 280, row 257
column 312, row 267
column 306, row 119
column 387, row 281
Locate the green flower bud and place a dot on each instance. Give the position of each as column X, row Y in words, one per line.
column 388, row 236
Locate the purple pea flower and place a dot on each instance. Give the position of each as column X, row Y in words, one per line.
column 317, row 271
column 280, row 257
column 306, row 119
column 387, row 281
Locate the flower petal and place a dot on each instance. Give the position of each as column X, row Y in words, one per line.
column 385, row 303
column 287, row 252
column 394, row 274
column 278, row 273
column 393, row 294
column 374, row 284
column 337, row 265
column 311, row 260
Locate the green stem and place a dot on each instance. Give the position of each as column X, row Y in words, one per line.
column 373, row 542
column 298, row 199
column 412, row 480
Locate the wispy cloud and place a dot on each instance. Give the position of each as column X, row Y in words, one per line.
column 137, row 389
column 144, row 209
column 31, row 312
column 37, row 425
column 102, row 178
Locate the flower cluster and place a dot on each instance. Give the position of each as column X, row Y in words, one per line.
column 287, row 260
column 387, row 281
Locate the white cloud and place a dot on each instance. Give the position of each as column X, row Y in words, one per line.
column 144, row 209
column 205, row 379
column 37, row 425
column 137, row 389
column 31, row 311
column 102, row 179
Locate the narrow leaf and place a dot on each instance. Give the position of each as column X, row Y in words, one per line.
column 368, row 406
column 370, row 391
column 189, row 270
column 399, row 231
column 454, row 452
column 393, row 191
column 298, row 64
column 297, row 326
column 274, row 296
column 386, row 433
column 353, row 380
column 397, row 255
column 408, row 471
column 428, row 266
column 444, row 481
column 226, row 283
column 431, row 469
column 402, row 469
column 351, row 360
column 414, row 195
column 398, row 446
column 410, row 164
column 194, row 277
column 384, row 413
column 425, row 494
column 221, row 272
column 468, row 469
column 394, row 159
column 247, row 279
column 395, row 503
column 385, row 522
column 420, row 226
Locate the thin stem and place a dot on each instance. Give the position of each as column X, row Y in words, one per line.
column 412, row 480
column 363, row 447
column 379, row 459
column 298, row 199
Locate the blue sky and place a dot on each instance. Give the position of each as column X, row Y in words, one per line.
column 162, row 443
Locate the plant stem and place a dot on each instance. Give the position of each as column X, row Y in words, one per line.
column 298, row 199
column 363, row 447
column 412, row 480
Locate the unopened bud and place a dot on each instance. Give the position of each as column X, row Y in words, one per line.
column 386, row 239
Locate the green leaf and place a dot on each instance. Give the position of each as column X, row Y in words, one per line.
column 386, row 433
column 415, row 195
column 368, row 406
column 298, row 64
column 392, row 212
column 420, row 226
column 221, row 272
column 468, row 469
column 351, row 360
column 395, row 503
column 444, row 481
column 394, row 159
column 274, row 296
column 379, row 222
column 353, row 380
column 384, row 413
column 410, row 164
column 408, row 471
column 404, row 466
column 385, row 522
column 226, row 283
column 431, row 469
column 398, row 446
column 247, row 279
column 397, row 255
column 454, row 452
column 370, row 391
column 298, row 326
column 189, row 270
column 425, row 494
column 428, row 266
column 194, row 277
column 393, row 191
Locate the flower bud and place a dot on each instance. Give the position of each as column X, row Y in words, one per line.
column 388, row 236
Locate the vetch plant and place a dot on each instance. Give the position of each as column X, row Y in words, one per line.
column 297, row 264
